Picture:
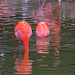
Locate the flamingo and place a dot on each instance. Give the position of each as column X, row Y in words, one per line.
column 23, row 32
column 42, row 29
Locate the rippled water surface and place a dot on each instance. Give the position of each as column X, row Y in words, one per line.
column 54, row 55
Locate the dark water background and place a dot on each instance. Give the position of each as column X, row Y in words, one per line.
column 54, row 55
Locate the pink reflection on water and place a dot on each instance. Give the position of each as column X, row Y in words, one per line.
column 39, row 59
column 42, row 48
column 47, row 15
column 42, row 51
column 22, row 64
column 5, row 12
column 43, row 2
column 42, row 45
column 55, row 42
column 44, row 56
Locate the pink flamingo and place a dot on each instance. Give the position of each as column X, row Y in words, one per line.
column 23, row 32
column 42, row 29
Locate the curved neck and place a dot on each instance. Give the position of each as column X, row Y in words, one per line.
column 26, row 40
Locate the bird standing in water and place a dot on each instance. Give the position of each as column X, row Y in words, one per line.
column 23, row 32
column 42, row 29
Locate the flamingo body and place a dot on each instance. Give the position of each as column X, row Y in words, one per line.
column 42, row 29
column 23, row 32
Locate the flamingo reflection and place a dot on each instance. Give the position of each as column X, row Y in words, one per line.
column 22, row 64
column 55, row 42
column 43, row 48
column 42, row 45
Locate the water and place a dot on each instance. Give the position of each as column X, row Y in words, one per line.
column 52, row 55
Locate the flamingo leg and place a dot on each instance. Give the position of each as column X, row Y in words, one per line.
column 5, row 1
column 39, row 3
column 42, row 0
column 43, row 3
column 20, row 44
column 50, row 5
column 59, row 2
